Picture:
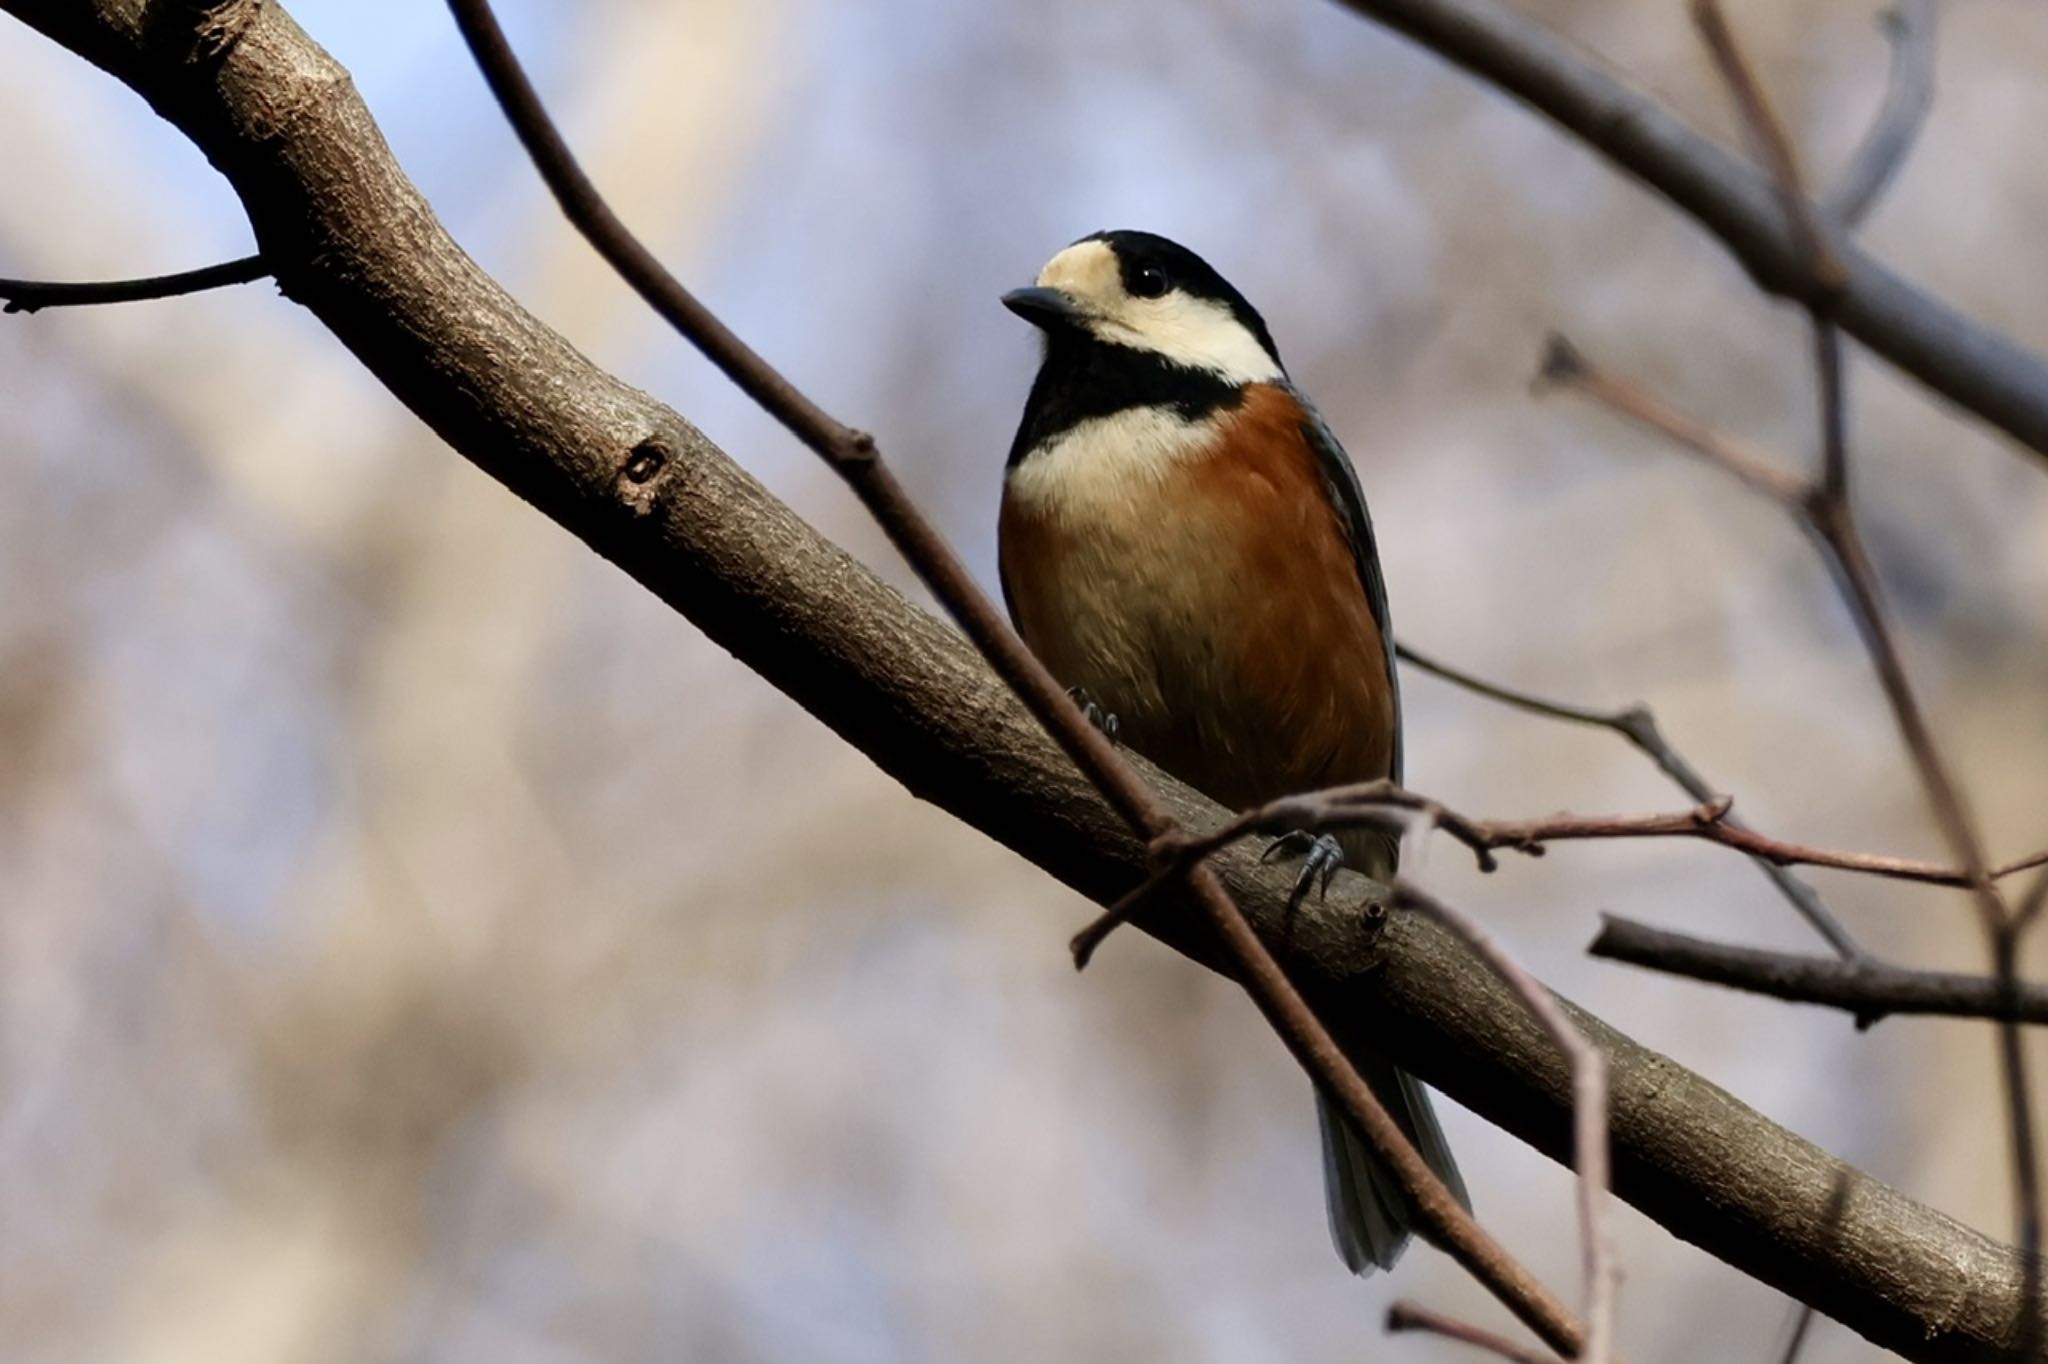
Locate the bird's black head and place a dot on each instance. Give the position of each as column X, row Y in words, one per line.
column 1132, row 319
column 1144, row 292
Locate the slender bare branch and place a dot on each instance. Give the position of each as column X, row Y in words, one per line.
column 28, row 295
column 1637, row 725
column 1909, row 27
column 1589, row 1114
column 1409, row 1316
column 1816, row 259
column 1564, row 365
column 1870, row 991
column 1388, row 807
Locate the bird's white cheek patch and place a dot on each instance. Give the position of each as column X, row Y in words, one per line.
column 1196, row 333
column 1108, row 467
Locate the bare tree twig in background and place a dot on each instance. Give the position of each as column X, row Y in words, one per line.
column 1972, row 364
column 1870, row 990
column 28, row 295
column 1909, row 26
column 1408, row 1316
column 1564, row 365
column 1637, row 725
column 1589, row 1115
column 852, row 454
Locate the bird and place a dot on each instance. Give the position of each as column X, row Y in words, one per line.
column 1185, row 546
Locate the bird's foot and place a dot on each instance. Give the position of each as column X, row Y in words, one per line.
column 1096, row 715
column 1320, row 859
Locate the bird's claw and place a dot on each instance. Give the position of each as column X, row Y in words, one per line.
column 1320, row 856
column 1096, row 715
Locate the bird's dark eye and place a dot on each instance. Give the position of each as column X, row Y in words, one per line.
column 1150, row 282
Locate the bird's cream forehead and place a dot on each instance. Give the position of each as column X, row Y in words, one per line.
column 1086, row 270
column 1199, row 333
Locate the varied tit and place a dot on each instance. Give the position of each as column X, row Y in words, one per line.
column 1184, row 543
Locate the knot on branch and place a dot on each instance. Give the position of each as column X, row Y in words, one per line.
column 648, row 459
column 1713, row 812
column 854, row 446
column 640, row 475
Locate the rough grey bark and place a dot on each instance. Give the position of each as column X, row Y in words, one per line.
column 353, row 241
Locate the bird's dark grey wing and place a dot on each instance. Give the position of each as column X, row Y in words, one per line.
column 1349, row 499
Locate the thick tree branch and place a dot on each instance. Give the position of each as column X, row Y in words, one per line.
column 353, row 242
column 1973, row 365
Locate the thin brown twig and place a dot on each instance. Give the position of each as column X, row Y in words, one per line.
column 1385, row 806
column 1564, row 365
column 1869, row 990
column 1818, row 261
column 1411, row 1316
column 28, row 295
column 1589, row 1114
column 2031, row 903
column 1639, row 726
column 853, row 455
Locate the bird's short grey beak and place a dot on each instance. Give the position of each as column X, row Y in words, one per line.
column 1042, row 307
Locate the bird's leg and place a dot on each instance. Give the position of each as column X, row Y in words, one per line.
column 1320, row 860
column 1095, row 714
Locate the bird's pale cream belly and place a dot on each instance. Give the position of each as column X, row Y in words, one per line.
column 1210, row 602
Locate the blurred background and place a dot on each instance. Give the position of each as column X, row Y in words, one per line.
column 377, row 983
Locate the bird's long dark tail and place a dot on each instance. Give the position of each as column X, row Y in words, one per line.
column 1370, row 1215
